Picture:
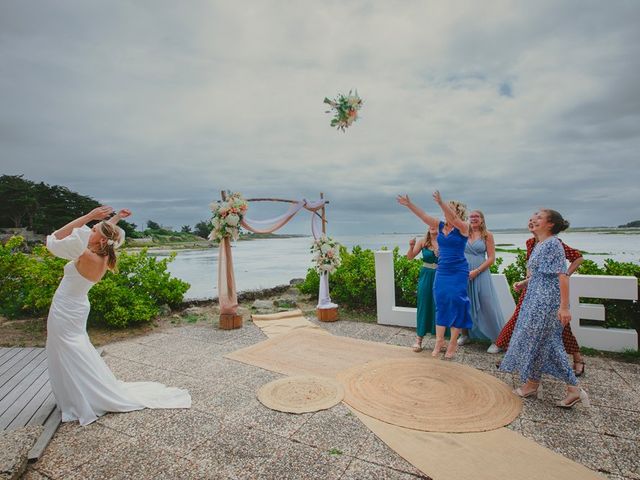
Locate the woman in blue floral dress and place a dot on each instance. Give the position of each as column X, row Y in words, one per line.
column 536, row 346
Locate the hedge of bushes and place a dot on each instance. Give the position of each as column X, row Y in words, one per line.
column 133, row 295
column 354, row 283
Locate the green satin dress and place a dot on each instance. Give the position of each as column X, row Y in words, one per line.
column 426, row 317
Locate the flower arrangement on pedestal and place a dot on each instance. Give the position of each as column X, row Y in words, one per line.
column 227, row 216
column 326, row 255
column 345, row 109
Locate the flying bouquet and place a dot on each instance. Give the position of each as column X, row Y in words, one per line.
column 345, row 108
column 326, row 255
column 227, row 216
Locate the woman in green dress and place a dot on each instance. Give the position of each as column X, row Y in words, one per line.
column 426, row 316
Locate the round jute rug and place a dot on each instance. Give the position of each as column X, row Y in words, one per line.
column 430, row 395
column 301, row 394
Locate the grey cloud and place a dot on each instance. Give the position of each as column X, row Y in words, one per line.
column 159, row 106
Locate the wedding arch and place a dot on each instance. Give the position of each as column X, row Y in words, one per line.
column 227, row 294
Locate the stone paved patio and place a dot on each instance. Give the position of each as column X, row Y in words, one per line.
column 228, row 434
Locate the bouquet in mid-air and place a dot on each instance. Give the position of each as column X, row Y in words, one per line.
column 345, row 109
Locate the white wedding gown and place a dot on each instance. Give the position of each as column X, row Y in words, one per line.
column 83, row 385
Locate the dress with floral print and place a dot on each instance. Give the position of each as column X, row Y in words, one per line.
column 536, row 346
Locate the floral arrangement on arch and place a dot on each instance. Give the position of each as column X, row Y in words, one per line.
column 227, row 216
column 326, row 254
column 345, row 109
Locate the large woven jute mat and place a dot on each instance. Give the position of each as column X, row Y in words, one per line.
column 306, row 351
column 489, row 455
column 431, row 395
column 493, row 455
column 276, row 324
column 301, row 394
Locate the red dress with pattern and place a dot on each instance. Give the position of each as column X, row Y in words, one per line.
column 570, row 342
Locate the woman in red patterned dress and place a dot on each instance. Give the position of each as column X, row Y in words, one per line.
column 570, row 342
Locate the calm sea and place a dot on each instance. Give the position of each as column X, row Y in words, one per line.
column 269, row 262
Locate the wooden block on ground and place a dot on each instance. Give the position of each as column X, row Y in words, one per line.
column 229, row 321
column 327, row 314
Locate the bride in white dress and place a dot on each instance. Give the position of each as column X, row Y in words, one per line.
column 83, row 385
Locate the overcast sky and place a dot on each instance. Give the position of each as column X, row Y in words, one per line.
column 158, row 105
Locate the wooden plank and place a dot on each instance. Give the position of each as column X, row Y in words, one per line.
column 9, row 355
column 14, row 359
column 13, row 403
column 43, row 412
column 4, row 351
column 28, row 375
column 50, row 427
column 22, row 367
column 29, row 407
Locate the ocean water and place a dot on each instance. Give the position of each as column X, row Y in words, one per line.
column 269, row 262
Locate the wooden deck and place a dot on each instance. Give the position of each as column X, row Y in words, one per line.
column 25, row 394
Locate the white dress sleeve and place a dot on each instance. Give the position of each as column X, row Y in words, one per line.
column 71, row 246
column 122, row 237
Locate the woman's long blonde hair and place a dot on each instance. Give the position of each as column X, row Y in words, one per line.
column 108, row 248
column 459, row 208
column 484, row 233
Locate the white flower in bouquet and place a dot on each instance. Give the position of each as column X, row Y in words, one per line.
column 232, row 220
column 324, row 248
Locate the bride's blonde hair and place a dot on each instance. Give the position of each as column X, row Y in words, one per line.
column 108, row 249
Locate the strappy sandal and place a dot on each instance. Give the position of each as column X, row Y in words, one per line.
column 417, row 346
column 582, row 370
column 537, row 392
column 437, row 349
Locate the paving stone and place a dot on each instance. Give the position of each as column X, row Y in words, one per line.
column 73, row 445
column 183, row 431
column 258, row 416
column 617, row 423
column 295, row 461
column 627, row 455
column 14, row 450
column 336, row 428
column 237, row 451
column 137, row 461
column 361, row 470
column 376, row 451
column 587, row 448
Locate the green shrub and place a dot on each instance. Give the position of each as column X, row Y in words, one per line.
column 130, row 296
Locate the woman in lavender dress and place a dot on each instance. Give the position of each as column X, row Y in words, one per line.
column 536, row 346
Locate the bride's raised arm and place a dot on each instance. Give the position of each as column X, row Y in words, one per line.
column 99, row 213
column 404, row 200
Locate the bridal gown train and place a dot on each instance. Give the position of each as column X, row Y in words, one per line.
column 82, row 384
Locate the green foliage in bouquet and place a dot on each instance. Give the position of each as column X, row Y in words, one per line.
column 345, row 109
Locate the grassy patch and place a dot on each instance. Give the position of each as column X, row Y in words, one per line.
column 334, row 451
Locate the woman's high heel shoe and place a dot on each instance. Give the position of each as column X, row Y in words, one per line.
column 570, row 400
column 438, row 348
column 537, row 392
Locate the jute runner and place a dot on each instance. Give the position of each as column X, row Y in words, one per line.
column 306, row 351
column 276, row 324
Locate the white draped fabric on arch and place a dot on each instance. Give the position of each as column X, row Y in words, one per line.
column 227, row 295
